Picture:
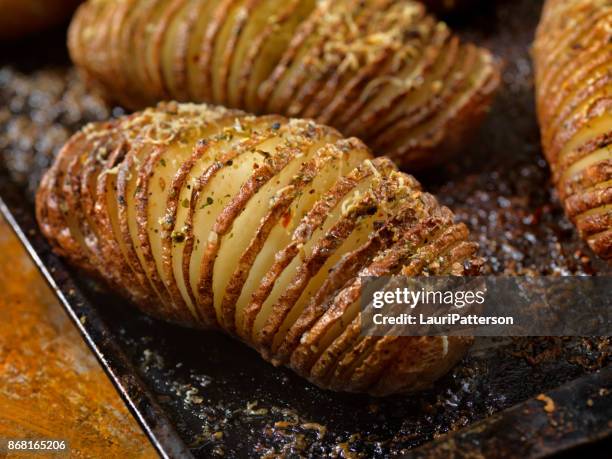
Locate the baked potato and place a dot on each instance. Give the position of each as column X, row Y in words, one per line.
column 573, row 62
column 259, row 226
column 382, row 70
column 19, row 18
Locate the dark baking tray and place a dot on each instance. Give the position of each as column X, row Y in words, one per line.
column 203, row 394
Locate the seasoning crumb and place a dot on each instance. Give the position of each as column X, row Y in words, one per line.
column 549, row 404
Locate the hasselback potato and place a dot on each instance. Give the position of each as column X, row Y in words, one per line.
column 573, row 62
column 381, row 70
column 259, row 226
column 19, row 18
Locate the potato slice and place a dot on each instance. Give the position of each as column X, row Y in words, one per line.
column 313, row 226
column 116, row 23
column 344, row 305
column 427, row 133
column 259, row 214
column 277, row 227
column 273, row 163
column 351, row 228
column 107, row 216
column 175, row 49
column 206, row 48
column 268, row 19
column 345, row 311
column 75, row 188
column 161, row 34
column 348, row 83
column 575, row 68
column 93, row 41
column 149, row 41
column 397, row 77
column 361, row 365
column 162, row 184
column 584, row 26
column 364, row 38
column 289, row 335
column 408, row 99
column 187, row 186
column 195, row 35
column 341, row 271
column 216, row 188
column 225, row 46
column 51, row 209
column 280, row 86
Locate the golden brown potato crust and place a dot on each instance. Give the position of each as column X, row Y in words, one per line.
column 382, row 70
column 261, row 226
column 573, row 61
column 19, row 18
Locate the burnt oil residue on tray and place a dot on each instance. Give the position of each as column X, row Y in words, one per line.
column 223, row 399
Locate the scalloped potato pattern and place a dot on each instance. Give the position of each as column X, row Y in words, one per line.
column 260, row 226
column 382, row 70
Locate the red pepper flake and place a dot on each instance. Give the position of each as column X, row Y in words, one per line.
column 286, row 219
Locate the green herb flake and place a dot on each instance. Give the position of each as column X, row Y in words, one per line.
column 178, row 236
column 208, row 202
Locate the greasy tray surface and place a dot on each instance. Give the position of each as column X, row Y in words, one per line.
column 219, row 395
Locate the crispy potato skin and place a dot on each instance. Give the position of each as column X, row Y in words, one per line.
column 382, row 61
column 573, row 62
column 19, row 18
column 259, row 226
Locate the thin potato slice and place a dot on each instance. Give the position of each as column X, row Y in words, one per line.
column 194, row 35
column 397, row 77
column 406, row 100
column 188, row 184
column 51, row 209
column 276, row 229
column 322, row 333
column 267, row 19
column 313, row 226
column 263, row 209
column 341, row 273
column 176, row 49
column 204, row 66
column 225, row 46
column 351, row 228
column 161, row 35
column 107, row 220
column 74, row 189
column 217, row 188
column 160, row 170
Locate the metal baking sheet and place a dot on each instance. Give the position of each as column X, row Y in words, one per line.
column 204, row 394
